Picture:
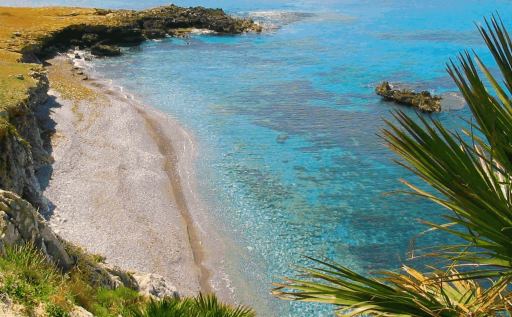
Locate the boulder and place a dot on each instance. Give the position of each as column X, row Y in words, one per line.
column 80, row 312
column 105, row 50
column 20, row 223
column 154, row 285
column 423, row 101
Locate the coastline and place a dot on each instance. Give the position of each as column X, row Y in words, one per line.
column 119, row 167
column 109, row 174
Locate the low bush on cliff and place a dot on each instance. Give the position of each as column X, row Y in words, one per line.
column 118, row 302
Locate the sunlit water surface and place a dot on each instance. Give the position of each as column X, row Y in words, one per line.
column 287, row 123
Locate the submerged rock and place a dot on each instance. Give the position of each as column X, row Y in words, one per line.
column 282, row 138
column 423, row 101
column 452, row 100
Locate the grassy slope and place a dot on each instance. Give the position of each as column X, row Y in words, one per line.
column 22, row 29
column 38, row 288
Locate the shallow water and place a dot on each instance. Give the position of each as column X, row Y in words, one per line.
column 287, row 122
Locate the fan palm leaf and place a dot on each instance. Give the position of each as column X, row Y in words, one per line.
column 199, row 306
column 410, row 293
column 472, row 171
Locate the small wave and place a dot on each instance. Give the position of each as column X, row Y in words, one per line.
column 201, row 31
column 80, row 59
column 452, row 101
column 272, row 20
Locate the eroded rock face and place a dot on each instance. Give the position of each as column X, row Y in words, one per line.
column 423, row 101
column 20, row 223
column 22, row 152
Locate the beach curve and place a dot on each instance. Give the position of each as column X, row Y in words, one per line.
column 117, row 169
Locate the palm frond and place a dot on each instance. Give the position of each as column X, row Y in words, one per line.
column 472, row 172
column 410, row 293
column 470, row 183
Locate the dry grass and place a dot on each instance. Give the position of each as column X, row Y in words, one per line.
column 23, row 29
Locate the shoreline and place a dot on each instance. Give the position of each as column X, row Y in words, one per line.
column 163, row 134
column 176, row 190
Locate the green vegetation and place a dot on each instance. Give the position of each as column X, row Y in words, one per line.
column 28, row 278
column 471, row 173
column 39, row 288
column 200, row 306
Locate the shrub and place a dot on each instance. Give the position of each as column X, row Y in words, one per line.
column 200, row 306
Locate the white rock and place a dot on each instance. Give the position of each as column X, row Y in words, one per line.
column 80, row 312
column 154, row 285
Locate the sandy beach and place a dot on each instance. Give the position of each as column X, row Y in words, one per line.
column 121, row 182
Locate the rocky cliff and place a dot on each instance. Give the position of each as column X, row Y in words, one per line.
column 21, row 147
column 21, row 223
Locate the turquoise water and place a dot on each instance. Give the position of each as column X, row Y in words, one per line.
column 287, row 122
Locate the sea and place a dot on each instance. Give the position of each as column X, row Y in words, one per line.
column 291, row 159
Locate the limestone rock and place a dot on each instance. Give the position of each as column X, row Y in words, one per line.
column 22, row 152
column 122, row 278
column 423, row 101
column 21, row 223
column 154, row 285
column 9, row 309
column 80, row 312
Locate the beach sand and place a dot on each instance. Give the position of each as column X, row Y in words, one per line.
column 121, row 183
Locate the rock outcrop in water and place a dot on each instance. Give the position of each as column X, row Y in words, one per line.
column 423, row 101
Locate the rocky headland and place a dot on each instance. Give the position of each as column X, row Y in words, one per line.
column 28, row 145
